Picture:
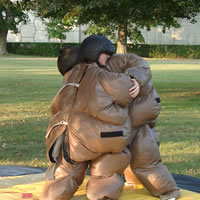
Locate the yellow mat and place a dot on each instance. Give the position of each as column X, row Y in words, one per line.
column 30, row 186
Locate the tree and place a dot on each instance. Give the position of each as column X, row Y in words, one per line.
column 11, row 15
column 126, row 17
column 56, row 27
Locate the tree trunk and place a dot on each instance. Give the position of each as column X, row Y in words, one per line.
column 3, row 37
column 122, row 39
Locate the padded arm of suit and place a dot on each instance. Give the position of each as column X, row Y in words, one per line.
column 117, row 86
column 144, row 109
column 133, row 65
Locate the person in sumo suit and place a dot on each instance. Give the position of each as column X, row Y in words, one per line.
column 90, row 126
column 143, row 110
column 94, row 165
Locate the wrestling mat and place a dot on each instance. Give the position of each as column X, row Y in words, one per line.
column 30, row 187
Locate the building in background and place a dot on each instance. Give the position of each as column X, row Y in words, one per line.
column 34, row 31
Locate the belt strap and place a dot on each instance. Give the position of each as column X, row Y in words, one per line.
column 57, row 124
column 69, row 84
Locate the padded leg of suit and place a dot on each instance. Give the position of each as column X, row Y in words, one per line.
column 147, row 166
column 158, row 181
column 101, row 188
column 110, row 163
column 128, row 173
column 67, row 180
column 106, row 180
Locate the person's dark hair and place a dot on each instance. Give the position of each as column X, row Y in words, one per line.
column 68, row 57
column 93, row 46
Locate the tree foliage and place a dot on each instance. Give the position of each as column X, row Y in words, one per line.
column 12, row 13
column 57, row 27
column 122, row 19
column 126, row 17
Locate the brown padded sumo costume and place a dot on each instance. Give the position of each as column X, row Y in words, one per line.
column 91, row 122
column 144, row 110
column 105, row 117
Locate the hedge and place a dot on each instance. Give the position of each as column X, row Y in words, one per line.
column 37, row 49
column 144, row 50
column 166, row 51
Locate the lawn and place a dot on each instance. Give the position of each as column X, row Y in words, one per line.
column 28, row 85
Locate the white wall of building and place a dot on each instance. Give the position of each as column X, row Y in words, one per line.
column 34, row 31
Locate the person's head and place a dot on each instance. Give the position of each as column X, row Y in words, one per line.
column 96, row 48
column 103, row 57
column 68, row 57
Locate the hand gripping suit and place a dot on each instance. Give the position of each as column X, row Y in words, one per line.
column 144, row 110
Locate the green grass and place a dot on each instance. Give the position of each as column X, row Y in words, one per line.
column 28, row 85
column 178, row 84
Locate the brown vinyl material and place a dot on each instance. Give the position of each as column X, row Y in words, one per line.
column 101, row 122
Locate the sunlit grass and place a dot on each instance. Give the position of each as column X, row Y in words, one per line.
column 179, row 122
column 28, row 85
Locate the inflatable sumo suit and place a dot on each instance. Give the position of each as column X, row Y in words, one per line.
column 90, row 124
column 143, row 110
column 70, row 149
